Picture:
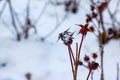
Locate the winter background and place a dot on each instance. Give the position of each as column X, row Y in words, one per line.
column 49, row 60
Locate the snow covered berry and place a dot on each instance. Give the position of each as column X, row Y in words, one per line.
column 66, row 37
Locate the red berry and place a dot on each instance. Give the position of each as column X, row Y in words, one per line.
column 86, row 58
column 93, row 65
column 94, row 55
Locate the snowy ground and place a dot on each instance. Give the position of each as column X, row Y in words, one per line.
column 49, row 60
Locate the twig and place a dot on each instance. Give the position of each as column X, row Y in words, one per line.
column 56, row 27
column 71, row 61
column 7, row 26
column 56, row 15
column 78, row 56
column 56, row 3
column 91, row 75
column 116, row 8
column 80, row 46
column 112, row 15
column 117, row 71
column 12, row 16
column 88, row 75
column 41, row 13
column 13, row 20
column 28, row 10
column 72, row 54
column 19, row 22
column 3, row 8
column 101, row 57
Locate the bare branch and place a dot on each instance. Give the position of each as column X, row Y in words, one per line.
column 117, row 71
column 7, row 26
column 12, row 16
column 57, row 26
column 41, row 13
column 3, row 8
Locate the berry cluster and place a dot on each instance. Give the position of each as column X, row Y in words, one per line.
column 91, row 16
column 91, row 65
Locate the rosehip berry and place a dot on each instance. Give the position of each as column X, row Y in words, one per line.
column 93, row 65
column 94, row 55
column 86, row 58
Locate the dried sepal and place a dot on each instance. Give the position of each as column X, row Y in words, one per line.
column 84, row 29
column 91, row 29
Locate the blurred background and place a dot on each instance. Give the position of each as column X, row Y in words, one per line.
column 29, row 45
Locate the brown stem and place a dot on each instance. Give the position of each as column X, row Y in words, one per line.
column 71, row 60
column 72, row 54
column 102, row 23
column 78, row 56
column 88, row 75
column 102, row 70
column 76, row 69
column 80, row 47
column 13, row 20
column 76, row 50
